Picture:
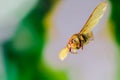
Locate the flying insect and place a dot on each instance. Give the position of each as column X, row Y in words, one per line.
column 82, row 38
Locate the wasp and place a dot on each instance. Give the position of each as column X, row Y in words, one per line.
column 82, row 38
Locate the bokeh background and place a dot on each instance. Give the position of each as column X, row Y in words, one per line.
column 32, row 33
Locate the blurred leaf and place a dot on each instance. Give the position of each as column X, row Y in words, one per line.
column 115, row 21
column 23, row 53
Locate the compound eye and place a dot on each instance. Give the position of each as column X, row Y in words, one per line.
column 74, row 40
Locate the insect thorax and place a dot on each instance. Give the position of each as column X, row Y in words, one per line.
column 84, row 39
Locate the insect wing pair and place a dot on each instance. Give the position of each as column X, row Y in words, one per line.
column 80, row 39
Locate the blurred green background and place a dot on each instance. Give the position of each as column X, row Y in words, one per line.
column 23, row 52
column 32, row 32
column 115, row 28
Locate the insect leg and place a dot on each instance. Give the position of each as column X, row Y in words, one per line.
column 82, row 45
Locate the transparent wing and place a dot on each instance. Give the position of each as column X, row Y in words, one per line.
column 94, row 18
column 90, row 35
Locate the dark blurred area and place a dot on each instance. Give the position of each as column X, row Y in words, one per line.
column 23, row 52
column 115, row 11
column 115, row 28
